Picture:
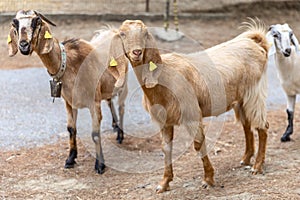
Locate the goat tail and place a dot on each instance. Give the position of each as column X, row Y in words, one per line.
column 253, row 108
column 256, row 30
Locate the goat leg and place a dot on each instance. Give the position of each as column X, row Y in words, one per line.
column 289, row 129
column 72, row 118
column 96, row 120
column 120, row 130
column 70, row 162
column 250, row 145
column 260, row 159
column 113, row 115
column 167, row 143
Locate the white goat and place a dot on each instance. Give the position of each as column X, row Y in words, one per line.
column 75, row 65
column 285, row 48
column 181, row 89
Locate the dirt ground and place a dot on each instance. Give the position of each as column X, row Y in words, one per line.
column 38, row 173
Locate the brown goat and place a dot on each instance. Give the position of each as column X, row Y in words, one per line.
column 188, row 87
column 85, row 81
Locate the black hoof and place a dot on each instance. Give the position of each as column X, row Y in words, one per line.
column 120, row 136
column 285, row 138
column 69, row 164
column 100, row 169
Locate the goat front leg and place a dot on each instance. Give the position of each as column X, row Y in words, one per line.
column 96, row 121
column 260, row 158
column 250, row 145
column 167, row 144
column 290, row 113
column 71, row 126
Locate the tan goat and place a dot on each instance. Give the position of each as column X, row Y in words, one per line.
column 76, row 64
column 182, row 89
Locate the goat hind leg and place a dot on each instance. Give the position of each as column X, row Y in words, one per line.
column 114, row 123
column 260, row 158
column 250, row 145
column 290, row 112
column 120, row 128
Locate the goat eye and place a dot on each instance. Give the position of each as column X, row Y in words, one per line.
column 15, row 23
column 275, row 35
column 122, row 34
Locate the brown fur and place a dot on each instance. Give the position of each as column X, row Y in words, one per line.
column 190, row 87
column 84, row 84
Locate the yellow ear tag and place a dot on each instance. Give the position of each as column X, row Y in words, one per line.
column 113, row 62
column 8, row 39
column 152, row 66
column 47, row 35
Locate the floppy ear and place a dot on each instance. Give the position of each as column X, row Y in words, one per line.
column 117, row 62
column 12, row 41
column 295, row 43
column 153, row 63
column 45, row 40
column 270, row 38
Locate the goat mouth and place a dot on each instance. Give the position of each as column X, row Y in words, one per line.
column 25, row 50
column 136, row 59
column 286, row 54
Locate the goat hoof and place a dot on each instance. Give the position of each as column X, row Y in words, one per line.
column 244, row 163
column 208, row 183
column 285, row 138
column 161, row 189
column 120, row 136
column 100, row 169
column 69, row 164
column 255, row 171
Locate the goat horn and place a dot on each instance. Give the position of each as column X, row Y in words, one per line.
column 44, row 18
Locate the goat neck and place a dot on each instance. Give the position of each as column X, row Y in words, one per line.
column 52, row 60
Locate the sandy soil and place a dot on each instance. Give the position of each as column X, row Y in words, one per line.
column 38, row 173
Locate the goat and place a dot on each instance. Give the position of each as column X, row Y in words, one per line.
column 73, row 63
column 101, row 41
column 285, row 46
column 181, row 89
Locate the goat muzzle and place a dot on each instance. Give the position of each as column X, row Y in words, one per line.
column 24, row 47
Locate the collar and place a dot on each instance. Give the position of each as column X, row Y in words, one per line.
column 63, row 64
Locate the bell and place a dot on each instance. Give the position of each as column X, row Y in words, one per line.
column 55, row 87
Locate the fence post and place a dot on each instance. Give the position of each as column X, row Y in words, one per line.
column 147, row 5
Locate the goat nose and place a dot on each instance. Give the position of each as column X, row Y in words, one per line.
column 288, row 50
column 24, row 43
column 137, row 52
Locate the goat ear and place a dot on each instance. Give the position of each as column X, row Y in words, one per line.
column 46, row 41
column 270, row 39
column 12, row 41
column 153, row 63
column 117, row 61
column 295, row 43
